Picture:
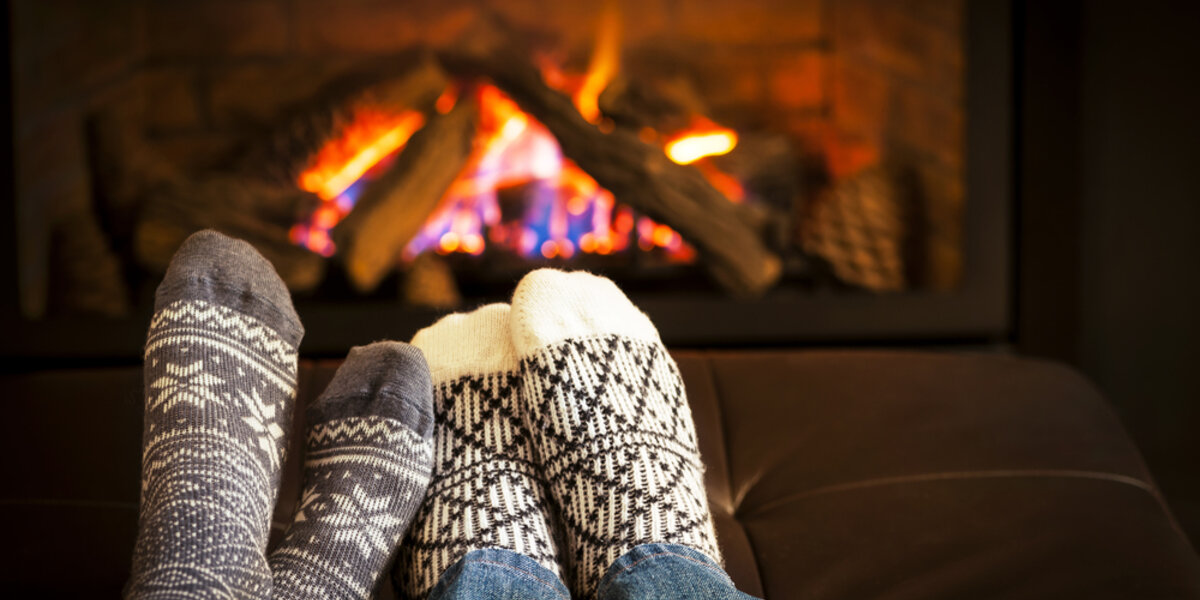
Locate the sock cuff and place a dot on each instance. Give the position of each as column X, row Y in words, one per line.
column 468, row 343
column 550, row 306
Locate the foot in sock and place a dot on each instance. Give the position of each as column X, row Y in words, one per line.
column 486, row 491
column 611, row 423
column 369, row 455
column 220, row 377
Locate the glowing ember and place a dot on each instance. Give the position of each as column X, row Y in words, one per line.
column 724, row 182
column 692, row 147
column 447, row 100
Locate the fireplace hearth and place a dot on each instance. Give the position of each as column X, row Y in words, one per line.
column 395, row 161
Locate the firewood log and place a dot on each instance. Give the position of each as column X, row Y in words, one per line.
column 411, row 80
column 394, row 207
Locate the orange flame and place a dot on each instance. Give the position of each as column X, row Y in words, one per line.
column 447, row 99
column 606, row 56
column 724, row 182
column 369, row 138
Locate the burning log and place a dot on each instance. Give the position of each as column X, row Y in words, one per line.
column 666, row 102
column 411, row 80
column 637, row 173
column 395, row 207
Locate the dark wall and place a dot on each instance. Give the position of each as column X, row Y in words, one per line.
column 1110, row 216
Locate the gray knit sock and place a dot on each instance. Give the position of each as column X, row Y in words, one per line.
column 370, row 451
column 610, row 423
column 486, row 490
column 220, row 376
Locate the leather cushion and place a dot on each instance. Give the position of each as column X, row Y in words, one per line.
column 917, row 475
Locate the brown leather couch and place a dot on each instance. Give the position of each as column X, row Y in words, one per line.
column 832, row 474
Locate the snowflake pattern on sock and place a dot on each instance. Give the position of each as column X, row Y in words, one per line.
column 220, row 385
column 364, row 478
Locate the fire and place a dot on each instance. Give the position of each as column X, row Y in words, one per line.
column 562, row 211
column 606, row 56
column 566, row 211
column 370, row 138
column 724, row 182
column 447, row 100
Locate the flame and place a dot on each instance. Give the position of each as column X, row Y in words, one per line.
column 725, row 183
column 566, row 211
column 447, row 99
column 369, row 138
column 336, row 171
column 606, row 56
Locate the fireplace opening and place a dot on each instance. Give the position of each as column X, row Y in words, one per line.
column 785, row 158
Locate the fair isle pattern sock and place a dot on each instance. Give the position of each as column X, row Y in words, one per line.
column 611, row 423
column 369, row 455
column 486, row 491
column 220, row 376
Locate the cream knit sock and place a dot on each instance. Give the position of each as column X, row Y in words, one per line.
column 486, row 491
column 610, row 422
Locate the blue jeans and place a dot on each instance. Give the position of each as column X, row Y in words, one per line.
column 649, row 571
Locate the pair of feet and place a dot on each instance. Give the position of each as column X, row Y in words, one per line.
column 220, row 380
column 562, row 433
column 556, row 428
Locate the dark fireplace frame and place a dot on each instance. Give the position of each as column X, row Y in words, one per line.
column 978, row 312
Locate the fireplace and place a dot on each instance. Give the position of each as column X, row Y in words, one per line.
column 396, row 160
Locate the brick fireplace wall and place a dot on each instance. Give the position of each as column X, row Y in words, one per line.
column 847, row 78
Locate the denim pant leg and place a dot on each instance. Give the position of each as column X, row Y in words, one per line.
column 495, row 574
column 666, row 572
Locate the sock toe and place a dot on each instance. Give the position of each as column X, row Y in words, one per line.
column 212, row 267
column 550, row 306
column 463, row 344
column 383, row 379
